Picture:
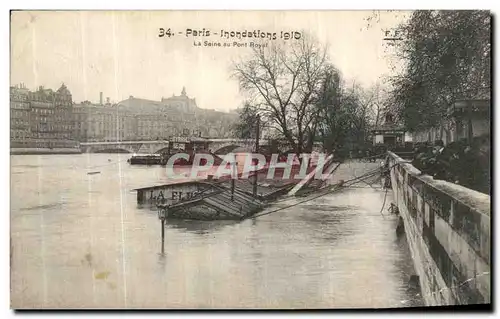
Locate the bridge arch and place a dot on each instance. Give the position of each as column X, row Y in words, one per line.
column 162, row 150
column 225, row 149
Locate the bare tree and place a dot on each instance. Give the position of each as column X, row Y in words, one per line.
column 373, row 102
column 283, row 80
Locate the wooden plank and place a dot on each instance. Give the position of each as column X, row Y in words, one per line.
column 310, row 176
column 220, row 206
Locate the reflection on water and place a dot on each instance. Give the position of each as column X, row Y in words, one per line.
column 80, row 241
column 199, row 226
column 38, row 207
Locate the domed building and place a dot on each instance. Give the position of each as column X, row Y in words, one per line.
column 63, row 91
column 177, row 115
column 183, row 102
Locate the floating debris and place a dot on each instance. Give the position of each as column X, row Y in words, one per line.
column 88, row 258
column 102, row 275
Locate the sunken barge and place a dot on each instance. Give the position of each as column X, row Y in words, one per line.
column 225, row 198
column 209, row 200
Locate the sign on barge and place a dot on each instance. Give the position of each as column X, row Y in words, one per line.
column 201, row 200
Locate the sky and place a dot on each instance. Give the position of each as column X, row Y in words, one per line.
column 121, row 54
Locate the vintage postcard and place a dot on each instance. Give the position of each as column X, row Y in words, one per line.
column 250, row 159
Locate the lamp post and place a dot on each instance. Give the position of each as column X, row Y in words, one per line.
column 162, row 215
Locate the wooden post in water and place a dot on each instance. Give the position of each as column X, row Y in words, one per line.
column 163, row 236
column 232, row 181
column 257, row 136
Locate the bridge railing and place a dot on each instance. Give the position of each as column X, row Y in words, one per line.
column 448, row 230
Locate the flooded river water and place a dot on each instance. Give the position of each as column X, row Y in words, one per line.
column 79, row 241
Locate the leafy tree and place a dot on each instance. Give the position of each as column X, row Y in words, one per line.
column 447, row 57
column 345, row 112
column 245, row 127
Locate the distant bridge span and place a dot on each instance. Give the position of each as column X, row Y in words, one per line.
column 218, row 146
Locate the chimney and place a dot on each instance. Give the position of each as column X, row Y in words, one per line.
column 107, row 100
column 100, row 98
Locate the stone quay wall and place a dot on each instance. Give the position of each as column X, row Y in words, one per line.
column 448, row 231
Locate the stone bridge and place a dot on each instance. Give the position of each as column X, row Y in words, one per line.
column 218, row 146
column 138, row 147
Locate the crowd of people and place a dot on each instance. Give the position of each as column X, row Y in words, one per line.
column 460, row 162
